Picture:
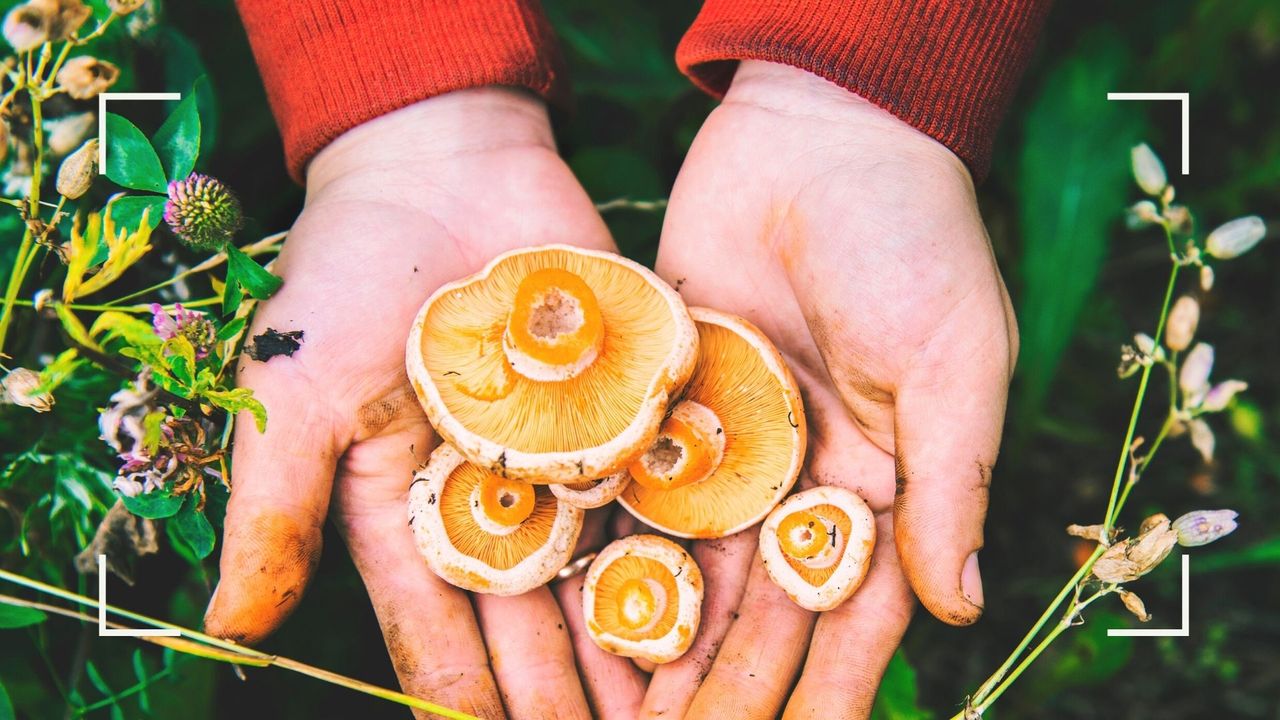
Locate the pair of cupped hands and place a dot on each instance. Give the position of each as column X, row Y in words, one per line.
column 851, row 239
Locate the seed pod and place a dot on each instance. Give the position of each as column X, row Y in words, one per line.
column 202, row 212
column 124, row 7
column 1235, row 238
column 1141, row 214
column 63, row 135
column 1222, row 394
column 1194, row 376
column 1148, row 170
column 1179, row 218
column 1183, row 320
column 1202, row 439
column 76, row 174
column 1134, row 604
column 1206, row 278
column 84, row 77
column 26, row 27
column 1097, row 533
column 66, row 16
column 1135, row 557
column 1201, row 527
column 20, row 386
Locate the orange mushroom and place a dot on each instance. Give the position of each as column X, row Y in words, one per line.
column 593, row 493
column 817, row 546
column 733, row 446
column 553, row 364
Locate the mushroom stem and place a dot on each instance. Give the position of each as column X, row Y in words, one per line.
column 555, row 329
column 688, row 449
column 500, row 505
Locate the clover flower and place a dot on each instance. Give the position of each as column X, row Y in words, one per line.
column 193, row 325
column 202, row 212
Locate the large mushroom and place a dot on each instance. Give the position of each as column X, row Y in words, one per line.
column 817, row 546
column 642, row 598
column 553, row 364
column 733, row 446
column 486, row 533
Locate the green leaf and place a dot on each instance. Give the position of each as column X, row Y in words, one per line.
column 898, row 698
column 153, row 505
column 6, row 705
column 131, row 161
column 126, row 210
column 75, row 329
column 1073, row 181
column 96, row 678
column 231, row 292
column 216, row 496
column 177, row 142
column 16, row 616
column 230, row 330
column 194, row 528
column 237, row 399
column 254, row 278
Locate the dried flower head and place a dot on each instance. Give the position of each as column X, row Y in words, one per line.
column 1202, row 438
column 1201, row 527
column 65, row 134
column 1221, row 395
column 1194, row 376
column 1134, row 604
column 26, row 27
column 190, row 324
column 84, row 77
column 1097, row 533
column 202, row 212
column 22, row 388
column 1235, row 238
column 1206, row 278
column 1183, row 320
column 1142, row 214
column 1179, row 219
column 67, row 16
column 1131, row 559
column 124, row 7
column 1148, row 171
column 75, row 175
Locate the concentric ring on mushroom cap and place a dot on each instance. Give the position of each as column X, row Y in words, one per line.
column 817, row 546
column 743, row 380
column 444, row 505
column 593, row 493
column 643, row 598
column 586, row 426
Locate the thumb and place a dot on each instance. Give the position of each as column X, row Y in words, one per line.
column 946, row 435
column 281, row 481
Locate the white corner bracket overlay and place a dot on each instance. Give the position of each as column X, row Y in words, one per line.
column 103, row 630
column 1181, row 97
column 102, row 117
column 1184, row 631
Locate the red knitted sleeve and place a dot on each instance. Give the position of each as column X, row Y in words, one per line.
column 329, row 66
column 946, row 67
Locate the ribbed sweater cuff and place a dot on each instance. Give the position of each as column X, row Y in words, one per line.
column 946, row 67
column 330, row 66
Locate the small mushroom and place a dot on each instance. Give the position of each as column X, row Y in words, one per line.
column 734, row 445
column 593, row 493
column 643, row 598
column 486, row 533
column 817, row 546
column 553, row 364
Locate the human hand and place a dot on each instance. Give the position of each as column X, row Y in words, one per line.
column 853, row 241
column 395, row 208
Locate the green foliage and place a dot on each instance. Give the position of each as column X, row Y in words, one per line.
column 131, row 161
column 16, row 616
column 1073, row 170
column 177, row 142
column 242, row 271
column 898, row 698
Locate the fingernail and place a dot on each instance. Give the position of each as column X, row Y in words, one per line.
column 971, row 580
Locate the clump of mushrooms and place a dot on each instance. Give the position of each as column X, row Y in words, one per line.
column 561, row 379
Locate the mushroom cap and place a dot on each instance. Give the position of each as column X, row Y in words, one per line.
column 837, row 524
column 743, row 380
column 471, row 552
column 592, row 493
column 597, row 415
column 639, row 578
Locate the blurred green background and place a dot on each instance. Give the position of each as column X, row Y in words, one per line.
column 1082, row 285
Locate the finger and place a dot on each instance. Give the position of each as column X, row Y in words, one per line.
column 282, row 479
column 725, row 564
column 614, row 687
column 854, row 642
column 947, row 422
column 429, row 627
column 532, row 656
column 760, row 657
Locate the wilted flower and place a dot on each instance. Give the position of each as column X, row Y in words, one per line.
column 143, row 18
column 1194, row 376
column 1134, row 604
column 193, row 325
column 21, row 387
column 1221, row 395
column 1148, row 170
column 1179, row 218
column 1183, row 320
column 1141, row 214
column 1235, row 238
column 84, row 77
column 1206, row 278
column 1201, row 527
column 124, row 7
column 26, row 27
column 1097, row 533
column 75, row 175
column 202, row 212
column 64, row 134
column 1135, row 557
column 1202, row 438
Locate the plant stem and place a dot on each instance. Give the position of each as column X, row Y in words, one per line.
column 139, row 308
column 261, row 247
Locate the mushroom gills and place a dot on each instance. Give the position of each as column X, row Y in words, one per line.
column 636, row 599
